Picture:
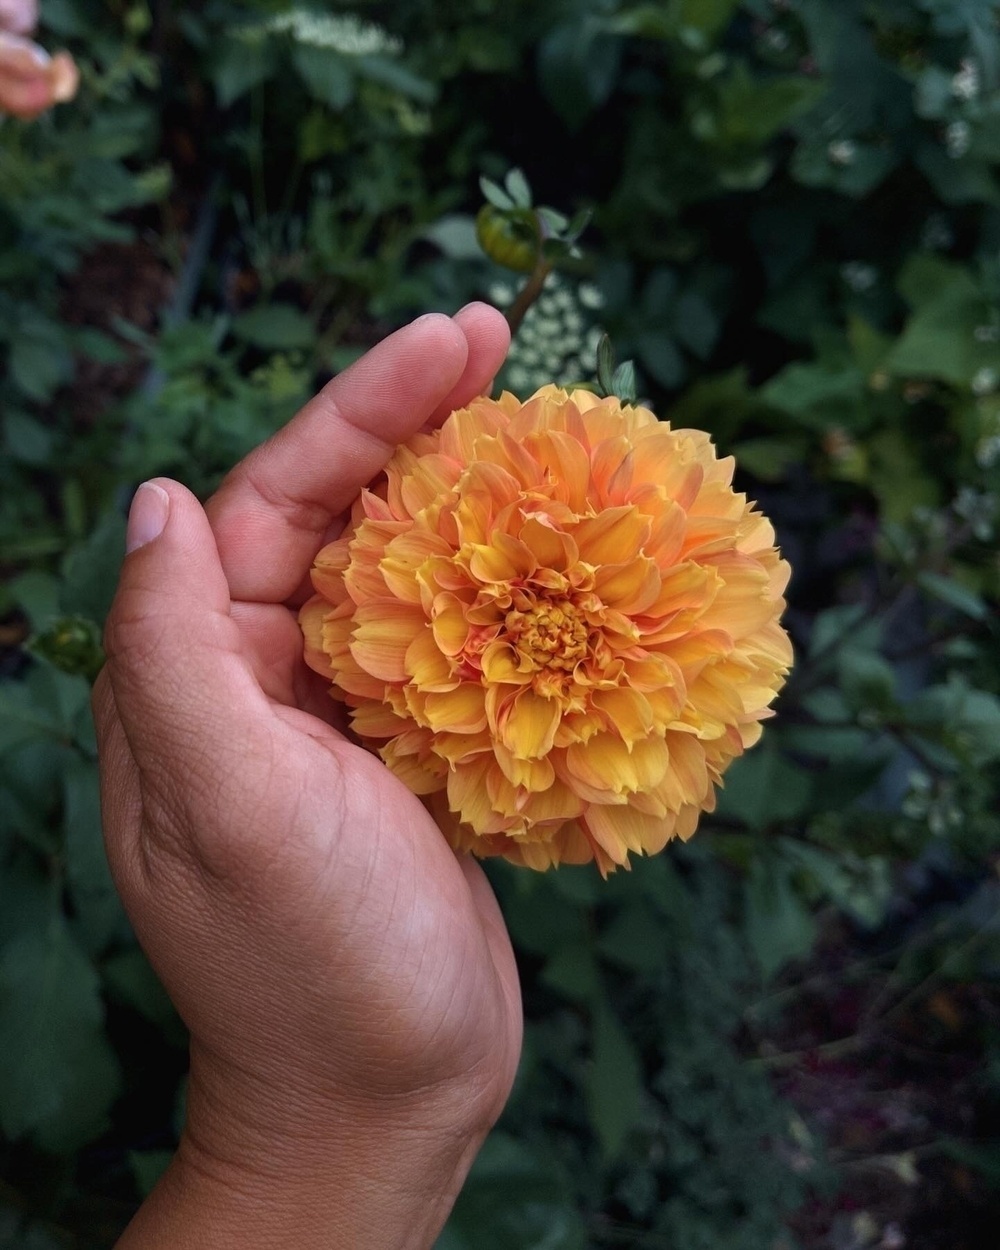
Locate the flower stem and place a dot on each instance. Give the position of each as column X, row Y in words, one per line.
column 528, row 294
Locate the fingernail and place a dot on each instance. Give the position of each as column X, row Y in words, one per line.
column 147, row 516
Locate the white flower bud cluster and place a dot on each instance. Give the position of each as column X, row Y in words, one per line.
column 978, row 508
column 957, row 139
column 558, row 338
column 343, row 33
column 858, row 276
column 842, row 152
column 965, row 84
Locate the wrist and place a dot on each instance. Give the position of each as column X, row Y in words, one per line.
column 381, row 1177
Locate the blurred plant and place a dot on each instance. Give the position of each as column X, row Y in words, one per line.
column 527, row 239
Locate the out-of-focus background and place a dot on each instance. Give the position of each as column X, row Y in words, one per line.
column 786, row 1033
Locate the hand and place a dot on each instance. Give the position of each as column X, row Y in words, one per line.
column 347, row 981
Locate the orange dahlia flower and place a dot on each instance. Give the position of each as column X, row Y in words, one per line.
column 558, row 623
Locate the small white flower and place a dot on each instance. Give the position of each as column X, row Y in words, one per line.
column 985, row 381
column 859, row 276
column 965, row 84
column 957, row 138
column 987, row 334
column 590, row 295
column 988, row 451
column 842, row 152
column 500, row 294
column 937, row 234
column 344, row 33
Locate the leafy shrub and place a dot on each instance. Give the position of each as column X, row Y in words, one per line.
column 796, row 235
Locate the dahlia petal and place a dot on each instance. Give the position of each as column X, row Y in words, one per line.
column 612, row 469
column 327, row 574
column 505, row 559
column 559, row 621
column 529, row 726
column 563, row 458
column 425, row 664
column 432, row 476
column 531, row 775
column 404, row 556
column 409, row 757
column 502, row 664
column 468, row 795
column 385, row 629
column 462, row 710
column 614, row 535
column 629, row 588
column 551, row 548
column 624, row 710
column 449, row 623
column 376, row 720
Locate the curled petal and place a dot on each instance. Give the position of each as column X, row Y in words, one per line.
column 558, row 623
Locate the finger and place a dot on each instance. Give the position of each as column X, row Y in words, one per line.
column 189, row 705
column 271, row 513
column 488, row 335
column 272, row 643
column 121, row 797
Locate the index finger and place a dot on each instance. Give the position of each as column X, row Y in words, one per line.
column 272, row 511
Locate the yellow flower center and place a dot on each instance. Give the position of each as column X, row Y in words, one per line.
column 549, row 633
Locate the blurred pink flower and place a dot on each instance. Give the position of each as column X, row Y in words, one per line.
column 31, row 81
column 18, row 17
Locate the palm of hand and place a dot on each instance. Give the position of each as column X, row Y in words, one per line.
column 313, row 927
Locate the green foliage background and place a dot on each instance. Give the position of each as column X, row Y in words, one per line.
column 796, row 235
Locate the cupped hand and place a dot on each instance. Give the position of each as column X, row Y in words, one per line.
column 347, row 981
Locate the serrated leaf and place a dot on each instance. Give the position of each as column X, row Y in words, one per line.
column 605, row 365
column 779, row 925
column 495, row 195
column 397, row 77
column 90, row 569
column 556, row 222
column 59, row 1075
column 764, row 788
column 275, row 327
column 328, row 76
column 130, row 979
column 623, row 383
column 517, row 188
column 514, row 1196
column 96, row 904
column 867, row 680
column 147, row 1167
column 26, row 439
column 614, row 1082
column 660, row 355
column 572, row 971
column 455, row 235
column 955, row 595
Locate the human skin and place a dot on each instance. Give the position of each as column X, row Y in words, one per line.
column 347, row 981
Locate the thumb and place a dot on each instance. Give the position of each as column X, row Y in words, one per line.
column 186, row 696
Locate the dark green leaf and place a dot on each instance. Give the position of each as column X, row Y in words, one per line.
column 779, row 925
column 59, row 1076
column 95, row 900
column 275, row 327
column 614, row 1082
column 327, row 75
column 517, row 188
